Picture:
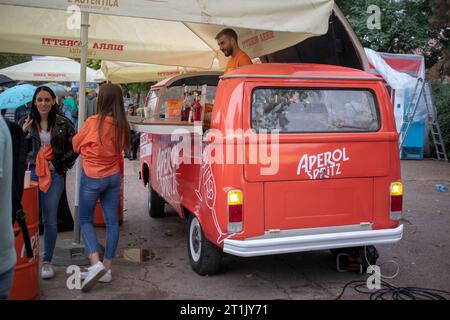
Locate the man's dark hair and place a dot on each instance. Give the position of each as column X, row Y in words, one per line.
column 227, row 32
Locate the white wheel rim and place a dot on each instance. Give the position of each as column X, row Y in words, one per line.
column 195, row 240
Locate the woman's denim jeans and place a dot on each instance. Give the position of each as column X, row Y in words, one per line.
column 48, row 205
column 108, row 191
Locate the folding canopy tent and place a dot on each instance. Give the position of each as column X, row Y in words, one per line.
column 129, row 72
column 170, row 33
column 188, row 40
column 47, row 68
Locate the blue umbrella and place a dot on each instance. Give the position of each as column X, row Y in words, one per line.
column 16, row 96
column 57, row 88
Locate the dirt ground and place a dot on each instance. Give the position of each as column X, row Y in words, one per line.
column 423, row 255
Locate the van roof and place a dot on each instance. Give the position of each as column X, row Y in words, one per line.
column 279, row 70
column 202, row 74
column 299, row 70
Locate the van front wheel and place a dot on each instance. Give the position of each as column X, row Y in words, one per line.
column 155, row 203
column 204, row 256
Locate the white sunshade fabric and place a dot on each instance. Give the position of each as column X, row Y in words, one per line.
column 129, row 72
column 286, row 15
column 48, row 68
column 156, row 41
column 174, row 32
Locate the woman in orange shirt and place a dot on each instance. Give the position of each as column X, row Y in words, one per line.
column 101, row 142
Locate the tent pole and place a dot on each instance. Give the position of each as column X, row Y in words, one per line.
column 81, row 115
column 70, row 251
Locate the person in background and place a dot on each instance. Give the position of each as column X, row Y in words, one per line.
column 8, row 257
column 50, row 155
column 9, row 114
column 101, row 141
column 71, row 109
column 21, row 112
column 227, row 40
column 135, row 138
column 127, row 102
column 91, row 103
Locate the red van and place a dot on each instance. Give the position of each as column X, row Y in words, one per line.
column 283, row 158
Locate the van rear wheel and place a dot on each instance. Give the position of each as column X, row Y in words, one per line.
column 204, row 256
column 155, row 203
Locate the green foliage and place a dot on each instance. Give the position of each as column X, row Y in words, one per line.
column 137, row 87
column 11, row 59
column 440, row 19
column 94, row 64
column 441, row 93
column 405, row 26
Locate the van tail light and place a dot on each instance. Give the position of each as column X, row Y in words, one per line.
column 396, row 200
column 234, row 204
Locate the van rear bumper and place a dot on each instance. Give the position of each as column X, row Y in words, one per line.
column 261, row 246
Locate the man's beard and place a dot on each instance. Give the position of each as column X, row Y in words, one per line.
column 227, row 53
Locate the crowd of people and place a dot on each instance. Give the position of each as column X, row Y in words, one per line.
column 52, row 145
column 43, row 136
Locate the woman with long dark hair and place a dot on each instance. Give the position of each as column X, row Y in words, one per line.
column 50, row 155
column 101, row 141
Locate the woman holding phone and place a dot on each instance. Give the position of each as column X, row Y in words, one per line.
column 50, row 155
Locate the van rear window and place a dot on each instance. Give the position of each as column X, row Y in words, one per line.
column 301, row 110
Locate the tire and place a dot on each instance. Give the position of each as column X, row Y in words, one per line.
column 155, row 203
column 204, row 256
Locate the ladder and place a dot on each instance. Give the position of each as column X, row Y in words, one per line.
column 435, row 129
column 410, row 112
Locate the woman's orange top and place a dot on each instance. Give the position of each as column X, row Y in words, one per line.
column 100, row 160
column 43, row 169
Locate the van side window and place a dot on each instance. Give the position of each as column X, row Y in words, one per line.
column 171, row 100
column 175, row 97
column 300, row 110
column 151, row 103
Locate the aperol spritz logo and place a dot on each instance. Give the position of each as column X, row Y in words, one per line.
column 323, row 165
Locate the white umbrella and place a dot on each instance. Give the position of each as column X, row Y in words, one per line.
column 47, row 68
column 58, row 89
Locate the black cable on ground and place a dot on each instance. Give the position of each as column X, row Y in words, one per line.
column 390, row 292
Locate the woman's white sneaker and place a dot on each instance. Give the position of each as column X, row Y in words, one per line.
column 107, row 277
column 95, row 272
column 47, row 271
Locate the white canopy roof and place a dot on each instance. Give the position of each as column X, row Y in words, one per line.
column 286, row 15
column 263, row 26
column 50, row 69
column 128, row 72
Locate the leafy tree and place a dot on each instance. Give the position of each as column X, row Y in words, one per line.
column 441, row 92
column 137, row 88
column 405, row 27
column 94, row 64
column 441, row 19
column 11, row 59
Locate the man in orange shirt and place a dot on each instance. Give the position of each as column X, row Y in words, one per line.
column 227, row 40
